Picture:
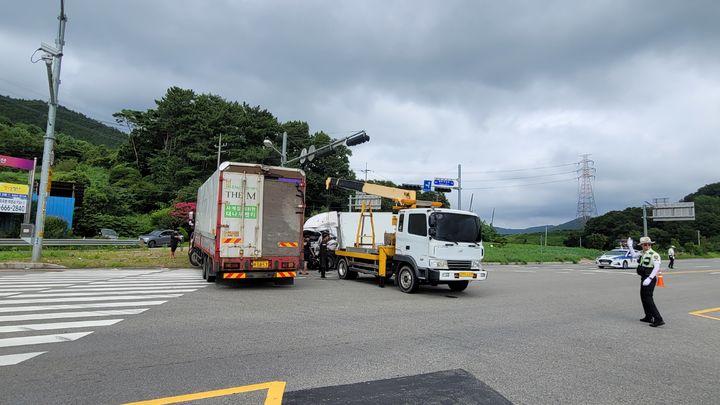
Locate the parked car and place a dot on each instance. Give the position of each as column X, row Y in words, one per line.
column 107, row 233
column 158, row 238
column 617, row 258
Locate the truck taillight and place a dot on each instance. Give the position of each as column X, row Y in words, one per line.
column 232, row 265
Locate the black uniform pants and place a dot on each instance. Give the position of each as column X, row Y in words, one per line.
column 323, row 260
column 672, row 262
column 648, row 303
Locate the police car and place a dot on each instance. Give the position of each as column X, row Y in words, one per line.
column 618, row 258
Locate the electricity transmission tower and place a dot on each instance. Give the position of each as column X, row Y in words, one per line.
column 586, row 208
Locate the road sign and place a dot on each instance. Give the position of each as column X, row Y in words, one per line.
column 444, row 182
column 311, row 153
column 427, row 185
column 680, row 211
column 303, row 158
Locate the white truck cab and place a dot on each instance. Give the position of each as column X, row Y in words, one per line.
column 443, row 245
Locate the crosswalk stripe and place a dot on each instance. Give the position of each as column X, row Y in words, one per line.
column 42, row 339
column 87, row 294
column 18, row 300
column 7, row 294
column 22, row 289
column 141, row 283
column 139, row 289
column 80, row 306
column 11, row 285
column 78, row 314
column 57, row 325
column 13, row 359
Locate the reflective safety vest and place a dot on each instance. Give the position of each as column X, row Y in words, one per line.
column 646, row 263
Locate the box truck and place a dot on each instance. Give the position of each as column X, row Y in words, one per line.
column 248, row 223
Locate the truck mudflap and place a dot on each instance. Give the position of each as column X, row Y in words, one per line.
column 437, row 275
column 257, row 274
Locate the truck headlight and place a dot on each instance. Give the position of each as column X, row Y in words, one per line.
column 476, row 264
column 438, row 264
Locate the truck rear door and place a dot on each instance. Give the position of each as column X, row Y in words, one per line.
column 282, row 215
column 241, row 215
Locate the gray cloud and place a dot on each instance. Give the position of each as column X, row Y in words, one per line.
column 491, row 85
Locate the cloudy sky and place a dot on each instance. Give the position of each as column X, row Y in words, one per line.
column 514, row 91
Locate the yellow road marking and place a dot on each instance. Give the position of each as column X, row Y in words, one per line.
column 275, row 390
column 688, row 271
column 704, row 311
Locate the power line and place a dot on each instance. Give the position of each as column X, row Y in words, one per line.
column 522, row 178
column 520, row 170
column 520, row 185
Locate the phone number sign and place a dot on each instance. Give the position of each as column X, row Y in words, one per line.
column 13, row 198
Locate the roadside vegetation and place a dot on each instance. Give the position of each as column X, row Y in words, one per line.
column 103, row 257
column 513, row 253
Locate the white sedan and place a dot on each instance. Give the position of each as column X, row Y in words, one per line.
column 617, row 258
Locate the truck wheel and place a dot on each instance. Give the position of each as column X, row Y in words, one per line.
column 344, row 272
column 625, row 265
column 458, row 285
column 151, row 244
column 208, row 270
column 194, row 257
column 407, row 281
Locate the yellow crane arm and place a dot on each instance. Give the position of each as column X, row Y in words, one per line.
column 405, row 198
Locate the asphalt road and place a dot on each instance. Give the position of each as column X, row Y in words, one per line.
column 533, row 334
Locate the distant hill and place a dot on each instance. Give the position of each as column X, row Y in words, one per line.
column 67, row 121
column 575, row 224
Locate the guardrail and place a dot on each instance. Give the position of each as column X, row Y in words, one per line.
column 74, row 242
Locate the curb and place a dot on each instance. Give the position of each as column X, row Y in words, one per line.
column 30, row 266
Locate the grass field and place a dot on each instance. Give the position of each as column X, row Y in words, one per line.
column 521, row 253
column 102, row 257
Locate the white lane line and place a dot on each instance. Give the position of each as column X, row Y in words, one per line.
column 524, row 271
column 11, row 285
column 139, row 289
column 131, row 286
column 12, row 300
column 57, row 325
column 79, row 314
column 715, row 272
column 13, row 359
column 88, row 294
column 589, row 274
column 140, row 283
column 80, row 306
column 42, row 339
column 7, row 294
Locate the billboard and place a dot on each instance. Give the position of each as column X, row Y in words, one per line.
column 680, row 211
column 13, row 198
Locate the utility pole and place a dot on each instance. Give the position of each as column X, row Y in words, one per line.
column 459, row 187
column 366, row 171
column 52, row 57
column 219, row 148
column 283, row 154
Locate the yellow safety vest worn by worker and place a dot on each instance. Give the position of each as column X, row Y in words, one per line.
column 646, row 263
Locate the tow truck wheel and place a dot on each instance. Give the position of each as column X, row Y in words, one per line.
column 344, row 273
column 407, row 281
column 625, row 265
column 458, row 285
column 194, row 256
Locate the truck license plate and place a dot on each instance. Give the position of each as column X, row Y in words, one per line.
column 261, row 264
column 466, row 274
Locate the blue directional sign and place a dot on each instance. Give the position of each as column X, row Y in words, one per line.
column 444, row 182
column 427, row 185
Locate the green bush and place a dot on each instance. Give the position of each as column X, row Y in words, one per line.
column 597, row 241
column 55, row 228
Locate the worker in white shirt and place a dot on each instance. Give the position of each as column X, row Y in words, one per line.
column 648, row 268
column 671, row 256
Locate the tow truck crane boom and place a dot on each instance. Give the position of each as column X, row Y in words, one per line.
column 404, row 198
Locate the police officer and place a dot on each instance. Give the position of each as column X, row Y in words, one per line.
column 324, row 238
column 648, row 268
column 671, row 256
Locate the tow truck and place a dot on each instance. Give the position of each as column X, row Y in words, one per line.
column 422, row 242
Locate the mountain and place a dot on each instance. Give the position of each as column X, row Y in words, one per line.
column 67, row 121
column 574, row 224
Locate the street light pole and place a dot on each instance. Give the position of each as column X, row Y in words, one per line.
column 283, row 154
column 54, row 58
column 644, row 220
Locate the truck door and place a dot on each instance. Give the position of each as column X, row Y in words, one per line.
column 413, row 240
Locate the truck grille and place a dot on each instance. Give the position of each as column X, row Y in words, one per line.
column 458, row 264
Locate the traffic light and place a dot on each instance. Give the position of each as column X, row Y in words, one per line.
column 322, row 152
column 357, row 139
column 415, row 187
column 443, row 189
